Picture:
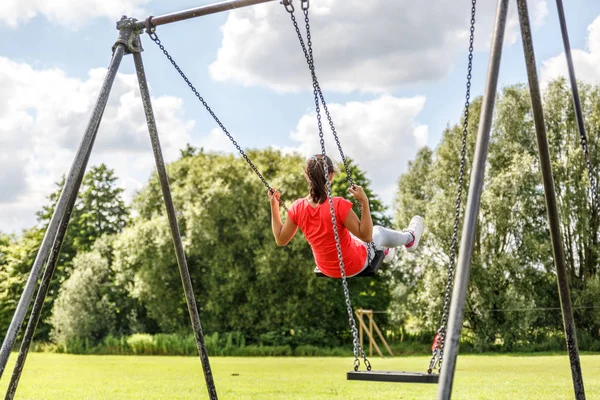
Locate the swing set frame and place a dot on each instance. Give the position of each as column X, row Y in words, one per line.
column 129, row 42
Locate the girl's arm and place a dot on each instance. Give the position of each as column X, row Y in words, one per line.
column 363, row 228
column 283, row 233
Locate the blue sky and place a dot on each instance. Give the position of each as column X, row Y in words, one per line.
column 392, row 72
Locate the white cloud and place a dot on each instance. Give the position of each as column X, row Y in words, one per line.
column 43, row 115
column 71, row 13
column 375, row 45
column 380, row 135
column 540, row 12
column 216, row 141
column 586, row 63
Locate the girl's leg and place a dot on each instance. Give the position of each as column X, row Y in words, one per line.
column 389, row 238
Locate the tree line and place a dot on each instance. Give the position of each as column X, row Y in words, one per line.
column 118, row 275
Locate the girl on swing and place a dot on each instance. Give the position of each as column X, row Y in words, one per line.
column 312, row 215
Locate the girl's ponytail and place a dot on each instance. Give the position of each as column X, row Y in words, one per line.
column 316, row 176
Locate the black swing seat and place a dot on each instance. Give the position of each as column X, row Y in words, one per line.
column 393, row 376
column 370, row 271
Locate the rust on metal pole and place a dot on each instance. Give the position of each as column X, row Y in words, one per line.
column 70, row 189
column 551, row 203
column 200, row 11
column 176, row 235
column 461, row 281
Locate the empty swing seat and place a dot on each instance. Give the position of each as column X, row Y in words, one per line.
column 393, row 376
column 370, row 271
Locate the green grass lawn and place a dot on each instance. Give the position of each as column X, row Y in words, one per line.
column 58, row 376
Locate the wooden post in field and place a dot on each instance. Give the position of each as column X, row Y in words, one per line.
column 370, row 315
column 369, row 331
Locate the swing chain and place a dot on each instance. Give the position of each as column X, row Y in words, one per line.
column 586, row 153
column 357, row 348
column 593, row 183
column 438, row 354
column 154, row 36
column 308, row 55
column 311, row 62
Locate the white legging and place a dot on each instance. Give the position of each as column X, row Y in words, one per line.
column 385, row 238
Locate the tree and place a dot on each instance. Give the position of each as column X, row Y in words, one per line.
column 189, row 151
column 85, row 308
column 340, row 185
column 579, row 217
column 5, row 284
column 99, row 210
column 18, row 255
column 4, row 242
column 512, row 266
column 242, row 279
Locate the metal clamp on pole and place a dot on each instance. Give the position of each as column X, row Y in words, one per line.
column 149, row 26
column 129, row 35
column 289, row 7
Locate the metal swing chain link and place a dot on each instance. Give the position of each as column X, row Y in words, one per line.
column 357, row 348
column 156, row 40
column 311, row 62
column 453, row 244
column 308, row 55
column 584, row 146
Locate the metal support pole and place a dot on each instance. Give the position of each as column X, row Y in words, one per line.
column 472, row 210
column 69, row 191
column 42, row 293
column 181, row 260
column 577, row 103
column 569, row 57
column 551, row 206
column 200, row 11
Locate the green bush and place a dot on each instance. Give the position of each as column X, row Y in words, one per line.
column 114, row 345
column 45, row 347
column 587, row 342
column 141, row 344
column 83, row 308
column 77, row 345
column 233, row 344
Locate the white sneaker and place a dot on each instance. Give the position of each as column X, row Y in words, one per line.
column 415, row 228
column 389, row 255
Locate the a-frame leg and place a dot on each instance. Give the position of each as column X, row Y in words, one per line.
column 60, row 218
column 181, row 260
column 551, row 202
column 461, row 280
column 42, row 292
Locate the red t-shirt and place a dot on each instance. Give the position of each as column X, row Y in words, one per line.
column 436, row 340
column 315, row 223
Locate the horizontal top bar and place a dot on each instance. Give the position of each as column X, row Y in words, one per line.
column 200, row 11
